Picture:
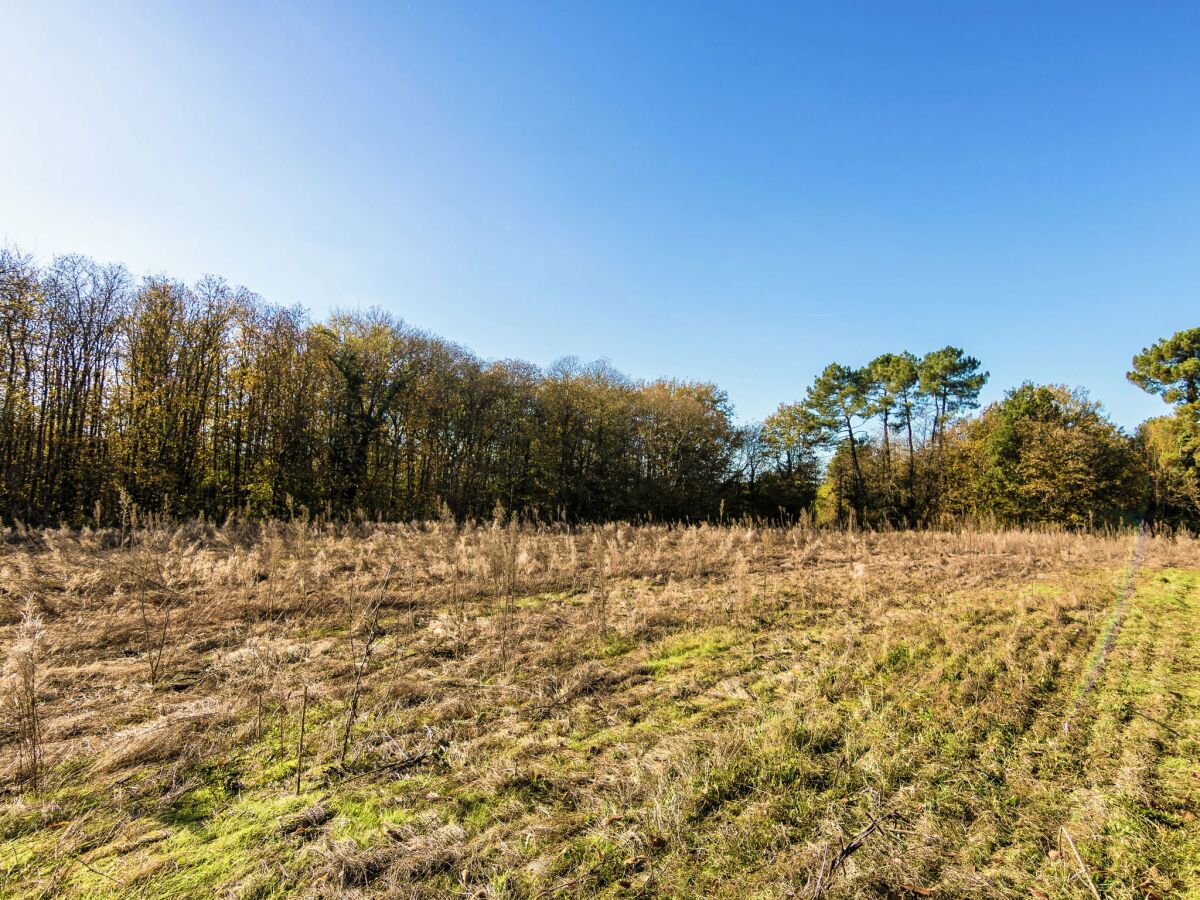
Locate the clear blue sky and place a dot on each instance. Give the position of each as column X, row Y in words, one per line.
column 731, row 192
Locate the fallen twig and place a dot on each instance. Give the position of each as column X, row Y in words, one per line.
column 845, row 853
column 1079, row 859
column 400, row 764
column 95, row 871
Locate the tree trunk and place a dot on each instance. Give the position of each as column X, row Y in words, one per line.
column 858, row 476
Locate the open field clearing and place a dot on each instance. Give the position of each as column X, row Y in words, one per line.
column 388, row 710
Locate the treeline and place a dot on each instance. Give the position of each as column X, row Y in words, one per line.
column 204, row 399
column 163, row 397
column 901, row 452
column 885, row 425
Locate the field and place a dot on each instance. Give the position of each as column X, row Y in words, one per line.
column 617, row 711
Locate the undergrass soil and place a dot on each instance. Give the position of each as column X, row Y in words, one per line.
column 602, row 712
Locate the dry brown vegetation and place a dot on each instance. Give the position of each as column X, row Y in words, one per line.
column 520, row 711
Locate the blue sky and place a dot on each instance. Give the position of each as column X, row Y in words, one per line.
column 733, row 192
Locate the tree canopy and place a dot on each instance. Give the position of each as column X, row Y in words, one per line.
column 1045, row 453
column 1171, row 367
column 162, row 397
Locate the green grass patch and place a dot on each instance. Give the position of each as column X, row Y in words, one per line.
column 680, row 651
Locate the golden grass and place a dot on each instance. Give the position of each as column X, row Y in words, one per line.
column 607, row 711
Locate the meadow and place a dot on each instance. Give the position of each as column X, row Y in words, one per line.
column 507, row 710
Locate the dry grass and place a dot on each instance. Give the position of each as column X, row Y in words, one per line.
column 614, row 711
